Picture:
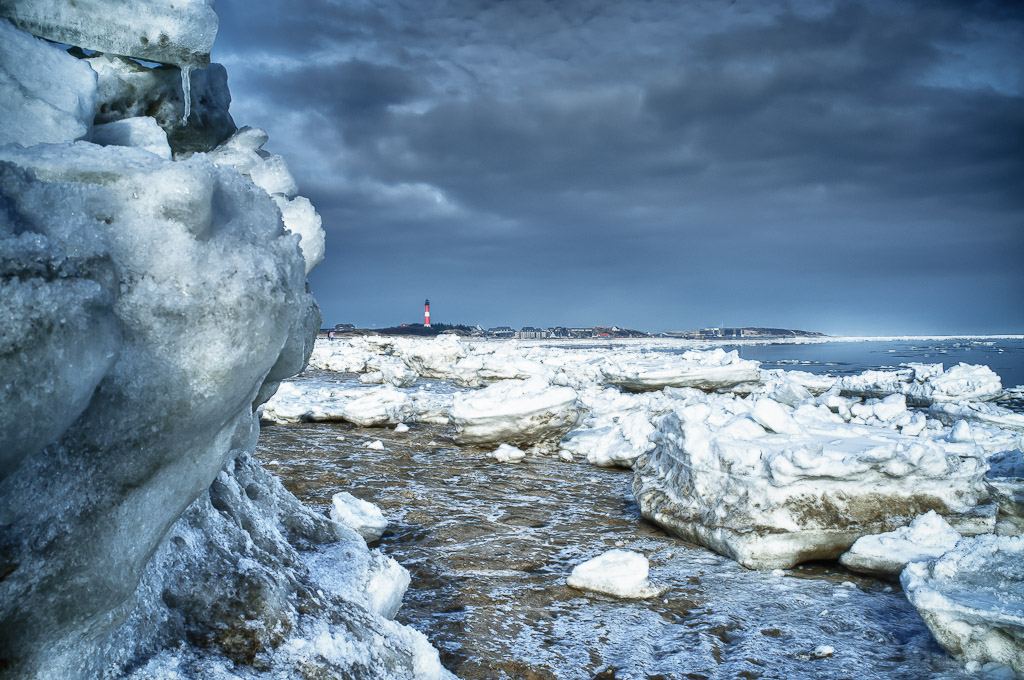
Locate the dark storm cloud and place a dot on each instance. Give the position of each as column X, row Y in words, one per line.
column 849, row 167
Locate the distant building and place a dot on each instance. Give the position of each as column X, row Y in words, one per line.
column 341, row 327
column 531, row 333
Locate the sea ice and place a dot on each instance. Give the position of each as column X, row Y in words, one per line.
column 710, row 370
column 619, row 573
column 925, row 384
column 774, row 500
column 515, row 411
column 508, row 454
column 378, row 407
column 927, row 537
column 46, row 95
column 363, row 517
column 972, row 599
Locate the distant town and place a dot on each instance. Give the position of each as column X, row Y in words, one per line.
column 566, row 332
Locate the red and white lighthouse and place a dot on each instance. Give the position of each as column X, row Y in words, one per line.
column 426, row 313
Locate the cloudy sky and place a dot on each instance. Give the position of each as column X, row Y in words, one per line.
column 847, row 167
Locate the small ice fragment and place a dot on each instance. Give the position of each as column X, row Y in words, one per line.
column 401, row 427
column 362, row 516
column 620, row 573
column 822, row 651
column 376, row 445
column 508, row 454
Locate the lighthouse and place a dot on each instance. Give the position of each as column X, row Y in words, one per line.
column 426, row 313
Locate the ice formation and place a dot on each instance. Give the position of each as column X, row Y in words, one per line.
column 927, row 537
column 149, row 306
column 722, row 475
column 619, row 573
column 515, row 412
column 179, row 32
column 925, row 384
column 972, row 599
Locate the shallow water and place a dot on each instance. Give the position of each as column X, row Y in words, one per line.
column 489, row 546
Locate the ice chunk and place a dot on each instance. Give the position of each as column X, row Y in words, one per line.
column 143, row 133
column 301, row 218
column 927, row 537
column 383, row 406
column 508, row 454
column 273, row 176
column 46, row 95
column 972, row 599
column 620, row 573
column 401, row 428
column 364, row 517
column 986, row 414
column 165, row 31
column 772, row 501
column 705, row 370
column 923, row 384
column 432, row 358
column 515, row 411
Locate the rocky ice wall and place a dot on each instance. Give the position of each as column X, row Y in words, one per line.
column 147, row 307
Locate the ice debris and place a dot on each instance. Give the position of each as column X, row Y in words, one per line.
column 927, row 537
column 515, row 411
column 972, row 599
column 508, row 454
column 362, row 516
column 619, row 573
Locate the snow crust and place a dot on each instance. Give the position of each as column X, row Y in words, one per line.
column 619, row 573
column 972, row 599
column 927, row 537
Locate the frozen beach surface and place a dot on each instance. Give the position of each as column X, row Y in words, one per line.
column 363, row 517
column 972, row 599
column 927, row 537
column 772, row 490
column 515, row 412
column 619, row 573
column 710, row 370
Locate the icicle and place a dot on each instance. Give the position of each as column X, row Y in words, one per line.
column 186, row 89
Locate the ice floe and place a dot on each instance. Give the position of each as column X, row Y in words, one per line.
column 709, row 370
column 927, row 537
column 773, row 499
column 515, row 412
column 972, row 599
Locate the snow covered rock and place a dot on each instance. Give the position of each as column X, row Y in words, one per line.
column 127, row 89
column 163, row 31
column 972, row 599
column 508, row 454
column 363, row 517
column 515, row 411
column 619, row 573
column 927, row 537
column 767, row 500
column 710, row 370
column 46, row 95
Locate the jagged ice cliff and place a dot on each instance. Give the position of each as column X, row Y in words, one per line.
column 153, row 263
